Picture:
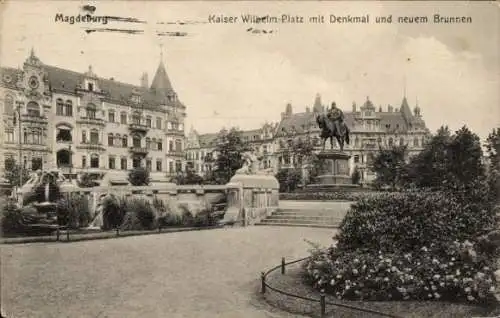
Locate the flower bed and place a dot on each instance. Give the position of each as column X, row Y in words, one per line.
column 412, row 245
column 329, row 196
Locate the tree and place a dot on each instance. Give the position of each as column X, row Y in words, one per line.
column 13, row 171
column 426, row 169
column 464, row 158
column 139, row 177
column 188, row 177
column 356, row 176
column 388, row 164
column 228, row 159
column 87, row 180
column 288, row 179
column 493, row 152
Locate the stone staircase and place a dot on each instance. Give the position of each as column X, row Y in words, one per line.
column 307, row 216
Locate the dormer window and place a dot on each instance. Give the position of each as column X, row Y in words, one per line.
column 90, row 87
column 136, row 99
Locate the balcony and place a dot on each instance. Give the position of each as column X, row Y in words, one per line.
column 174, row 132
column 91, row 121
column 135, row 127
column 91, row 146
column 138, row 151
column 173, row 153
column 26, row 146
column 34, row 118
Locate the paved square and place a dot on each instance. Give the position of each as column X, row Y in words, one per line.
column 212, row 273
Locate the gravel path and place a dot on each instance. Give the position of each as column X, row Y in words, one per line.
column 211, row 273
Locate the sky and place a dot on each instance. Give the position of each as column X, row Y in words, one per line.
column 228, row 77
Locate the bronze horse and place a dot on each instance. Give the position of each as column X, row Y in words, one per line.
column 328, row 130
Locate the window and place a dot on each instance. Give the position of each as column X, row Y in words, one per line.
column 158, row 165
column 84, row 162
column 356, row 158
column 171, row 145
column 91, row 111
column 10, row 135
column 401, row 141
column 136, row 163
column 84, row 137
column 148, row 143
column 26, row 137
column 33, row 109
column 111, row 116
column 111, row 163
column 64, row 135
column 170, row 167
column 169, row 125
column 90, row 86
column 136, row 119
column 9, row 104
column 110, row 139
column 36, row 163
column 123, row 118
column 68, row 108
column 124, row 141
column 148, row 164
column 148, row 122
column 94, row 137
column 123, row 163
column 94, row 161
column 59, row 107
column 160, row 145
column 391, row 142
column 136, row 140
column 178, row 166
column 158, row 123
column 178, row 145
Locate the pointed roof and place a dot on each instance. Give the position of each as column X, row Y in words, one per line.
column 405, row 109
column 161, row 82
column 317, row 107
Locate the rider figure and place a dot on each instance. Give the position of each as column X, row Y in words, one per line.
column 336, row 115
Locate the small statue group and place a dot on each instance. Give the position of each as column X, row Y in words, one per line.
column 251, row 165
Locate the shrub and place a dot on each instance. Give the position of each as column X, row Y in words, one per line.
column 411, row 245
column 87, row 180
column 112, row 213
column 139, row 177
column 169, row 219
column 11, row 217
column 329, row 196
column 365, row 274
column 74, row 211
column 142, row 210
column 411, row 220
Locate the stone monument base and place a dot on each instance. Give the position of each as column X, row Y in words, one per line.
column 333, row 174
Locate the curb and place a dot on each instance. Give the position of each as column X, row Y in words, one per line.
column 98, row 235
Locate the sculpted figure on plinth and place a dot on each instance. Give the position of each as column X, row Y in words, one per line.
column 332, row 125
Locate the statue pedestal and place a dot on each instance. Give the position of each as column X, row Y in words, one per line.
column 333, row 172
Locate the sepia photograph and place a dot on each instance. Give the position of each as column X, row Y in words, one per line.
column 249, row 159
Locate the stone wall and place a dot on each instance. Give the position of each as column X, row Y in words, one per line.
column 246, row 204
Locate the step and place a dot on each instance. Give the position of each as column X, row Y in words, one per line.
column 299, row 221
column 310, row 213
column 306, row 217
column 298, row 225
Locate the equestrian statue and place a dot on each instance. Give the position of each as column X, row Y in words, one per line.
column 332, row 124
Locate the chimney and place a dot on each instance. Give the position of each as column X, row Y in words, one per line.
column 353, row 107
column 308, row 110
column 389, row 108
column 288, row 109
column 144, row 80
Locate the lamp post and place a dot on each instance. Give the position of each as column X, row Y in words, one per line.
column 19, row 105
